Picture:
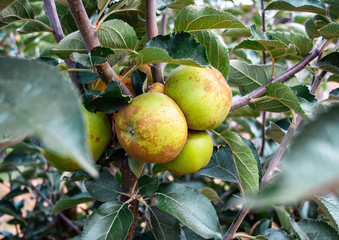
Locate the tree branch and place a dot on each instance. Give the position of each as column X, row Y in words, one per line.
column 59, row 35
column 236, row 224
column 245, row 100
column 152, row 31
column 91, row 40
column 69, row 222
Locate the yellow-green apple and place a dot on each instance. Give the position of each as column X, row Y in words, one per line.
column 152, row 129
column 157, row 87
column 202, row 94
column 98, row 135
column 195, row 155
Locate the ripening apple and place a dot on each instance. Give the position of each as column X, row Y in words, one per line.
column 202, row 94
column 151, row 129
column 195, row 155
column 98, row 135
column 157, row 87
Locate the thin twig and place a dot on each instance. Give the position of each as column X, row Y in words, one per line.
column 91, row 40
column 69, row 222
column 152, row 31
column 236, row 224
column 59, row 35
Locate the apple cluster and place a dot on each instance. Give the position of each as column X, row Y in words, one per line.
column 170, row 128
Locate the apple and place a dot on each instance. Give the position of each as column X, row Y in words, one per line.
column 157, row 87
column 152, row 128
column 202, row 94
column 98, row 135
column 195, row 155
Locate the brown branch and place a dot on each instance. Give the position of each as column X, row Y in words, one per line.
column 91, row 40
column 152, row 31
column 245, row 100
column 129, row 181
column 236, row 224
column 59, row 35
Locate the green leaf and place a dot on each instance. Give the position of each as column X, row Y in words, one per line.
column 216, row 50
column 6, row 207
column 303, row 45
column 14, row 193
column 245, row 111
column 284, row 94
column 193, row 18
column 187, row 234
column 179, row 48
column 284, row 218
column 272, row 233
column 210, row 193
column 105, row 189
column 307, row 169
column 109, row 100
column 17, row 11
column 117, row 35
column 261, row 41
column 313, row 6
column 221, row 165
column 190, row 207
column 99, row 55
column 26, row 109
column 127, row 6
column 164, row 225
column 148, row 185
column 110, row 220
column 313, row 24
column 33, row 27
column 316, row 229
column 66, row 201
column 245, row 163
column 330, row 63
column 5, row 3
column 333, row 78
column 330, row 205
column 71, row 43
column 180, row 4
column 331, row 2
column 330, row 31
column 237, row 32
column 275, row 132
column 23, row 159
column 102, row 3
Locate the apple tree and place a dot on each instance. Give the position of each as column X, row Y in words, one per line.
column 269, row 170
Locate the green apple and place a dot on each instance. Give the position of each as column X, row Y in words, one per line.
column 195, row 155
column 152, row 129
column 202, row 94
column 98, row 135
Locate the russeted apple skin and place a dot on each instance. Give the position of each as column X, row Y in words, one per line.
column 195, row 155
column 202, row 94
column 152, row 129
column 99, row 134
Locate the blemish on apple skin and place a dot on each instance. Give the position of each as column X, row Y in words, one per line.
column 90, row 137
column 97, row 139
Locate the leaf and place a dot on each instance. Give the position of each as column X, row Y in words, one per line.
column 33, row 27
column 99, row 55
column 316, row 229
column 193, row 18
column 164, row 225
column 261, row 41
column 17, row 11
column 66, row 201
column 22, row 158
column 179, row 48
column 275, row 132
column 127, row 6
column 244, row 111
column 333, row 78
column 110, row 221
column 303, row 45
column 109, row 100
column 284, row 218
column 330, row 31
column 31, row 105
column 245, row 163
column 5, row 3
column 221, row 165
column 210, row 193
column 313, row 24
column 6, row 207
column 284, row 94
column 187, row 234
column 330, row 63
column 272, row 233
column 14, row 193
column 84, row 77
column 313, row 6
column 331, row 2
column 216, row 50
column 190, row 208
column 180, row 4
column 306, row 169
column 69, row 44
column 105, row 189
column 148, row 185
column 117, row 35
column 330, row 205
